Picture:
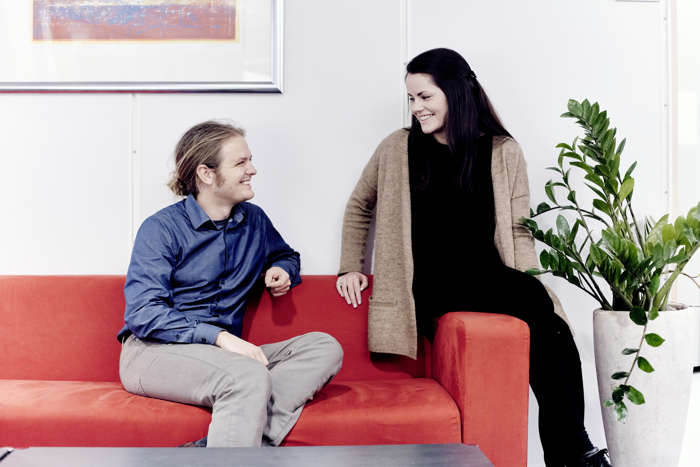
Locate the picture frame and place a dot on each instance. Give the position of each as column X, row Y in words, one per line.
column 137, row 46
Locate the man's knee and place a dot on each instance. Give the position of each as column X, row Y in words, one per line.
column 247, row 379
column 328, row 349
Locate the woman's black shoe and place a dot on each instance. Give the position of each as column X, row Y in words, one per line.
column 594, row 458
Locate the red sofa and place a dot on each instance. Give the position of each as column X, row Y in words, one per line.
column 59, row 374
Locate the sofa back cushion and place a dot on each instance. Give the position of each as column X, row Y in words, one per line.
column 315, row 305
column 64, row 328
column 61, row 327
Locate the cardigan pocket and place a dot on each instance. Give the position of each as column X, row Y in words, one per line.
column 382, row 303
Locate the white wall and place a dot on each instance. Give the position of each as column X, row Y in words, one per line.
column 75, row 193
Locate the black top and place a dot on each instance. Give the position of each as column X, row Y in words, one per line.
column 452, row 231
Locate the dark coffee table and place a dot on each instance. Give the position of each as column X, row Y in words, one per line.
column 429, row 455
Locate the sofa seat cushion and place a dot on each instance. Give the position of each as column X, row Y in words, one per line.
column 400, row 411
column 68, row 413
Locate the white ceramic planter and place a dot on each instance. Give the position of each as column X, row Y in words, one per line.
column 653, row 434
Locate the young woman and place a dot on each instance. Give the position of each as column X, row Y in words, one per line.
column 449, row 194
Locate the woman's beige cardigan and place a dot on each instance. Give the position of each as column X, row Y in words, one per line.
column 384, row 184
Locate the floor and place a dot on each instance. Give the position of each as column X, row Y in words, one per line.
column 690, row 454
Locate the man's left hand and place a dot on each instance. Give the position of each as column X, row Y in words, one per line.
column 277, row 281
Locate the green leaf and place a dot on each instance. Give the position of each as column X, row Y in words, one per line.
column 611, row 184
column 654, row 285
column 596, row 191
column 653, row 339
column 611, row 240
column 644, row 365
column 553, row 260
column 543, row 207
column 668, row 232
column 620, row 148
column 556, row 243
column 564, row 145
column 572, row 155
column 621, row 412
column 638, row 316
column 574, row 230
column 677, row 259
column 550, row 192
column 620, row 375
column 586, row 108
column 601, row 206
column 653, row 314
column 534, row 272
column 618, row 393
column 584, row 166
column 626, row 188
column 608, row 403
column 595, row 110
column 635, row 396
column 595, row 179
column 670, row 246
column 572, row 197
column 567, row 115
column 544, row 259
column 596, row 254
column 563, row 228
column 629, row 351
column 574, row 280
column 575, row 108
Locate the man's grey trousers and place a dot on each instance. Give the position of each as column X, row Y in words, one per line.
column 252, row 405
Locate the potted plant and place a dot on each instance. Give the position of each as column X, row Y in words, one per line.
column 628, row 265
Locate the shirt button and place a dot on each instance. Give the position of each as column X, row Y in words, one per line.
column 177, row 336
column 204, row 341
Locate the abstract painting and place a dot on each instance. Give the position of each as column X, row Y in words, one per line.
column 135, row 20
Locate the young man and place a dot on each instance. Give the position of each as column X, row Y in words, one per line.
column 192, row 268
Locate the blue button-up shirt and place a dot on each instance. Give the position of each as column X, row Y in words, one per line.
column 189, row 280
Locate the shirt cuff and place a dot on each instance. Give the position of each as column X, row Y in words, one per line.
column 205, row 334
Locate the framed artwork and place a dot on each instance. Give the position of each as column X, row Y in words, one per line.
column 141, row 45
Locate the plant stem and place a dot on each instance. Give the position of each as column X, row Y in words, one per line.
column 572, row 208
column 666, row 288
column 692, row 278
column 639, row 350
column 619, row 293
column 636, row 227
column 602, row 300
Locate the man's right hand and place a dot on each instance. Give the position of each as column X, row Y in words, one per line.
column 228, row 341
column 350, row 287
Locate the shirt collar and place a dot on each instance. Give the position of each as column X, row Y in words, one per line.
column 198, row 217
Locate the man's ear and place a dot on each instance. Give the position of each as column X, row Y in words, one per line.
column 205, row 175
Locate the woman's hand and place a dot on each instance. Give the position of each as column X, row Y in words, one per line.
column 350, row 287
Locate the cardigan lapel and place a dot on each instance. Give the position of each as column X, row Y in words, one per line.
column 501, row 197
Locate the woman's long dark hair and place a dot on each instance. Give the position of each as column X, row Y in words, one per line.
column 469, row 114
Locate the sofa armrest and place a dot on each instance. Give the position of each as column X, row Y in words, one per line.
column 482, row 360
